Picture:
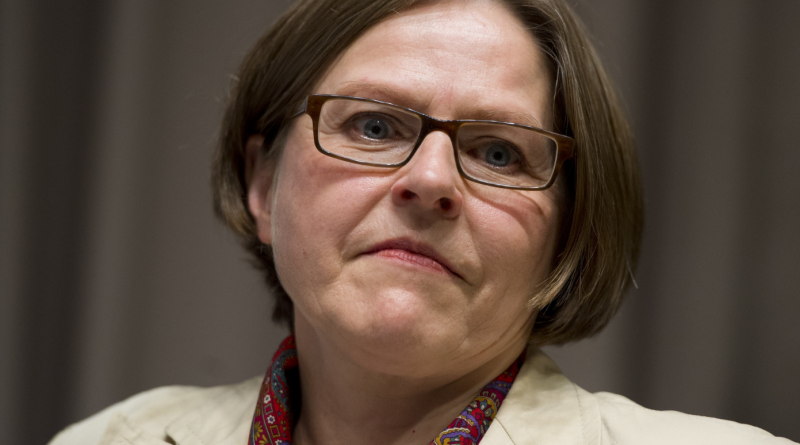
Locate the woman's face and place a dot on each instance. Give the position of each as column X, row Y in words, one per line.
column 411, row 269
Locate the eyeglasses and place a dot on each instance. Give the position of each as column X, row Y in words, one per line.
column 380, row 134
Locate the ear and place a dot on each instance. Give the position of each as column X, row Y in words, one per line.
column 259, row 173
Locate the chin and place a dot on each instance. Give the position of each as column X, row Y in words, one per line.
column 398, row 331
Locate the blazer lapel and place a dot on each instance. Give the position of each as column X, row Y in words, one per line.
column 222, row 416
column 225, row 420
column 544, row 407
column 121, row 431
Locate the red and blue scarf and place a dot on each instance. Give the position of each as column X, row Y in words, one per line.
column 274, row 417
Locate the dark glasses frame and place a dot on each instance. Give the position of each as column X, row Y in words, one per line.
column 312, row 105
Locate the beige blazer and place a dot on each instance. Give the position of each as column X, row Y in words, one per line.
column 542, row 408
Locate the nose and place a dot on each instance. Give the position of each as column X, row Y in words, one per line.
column 428, row 181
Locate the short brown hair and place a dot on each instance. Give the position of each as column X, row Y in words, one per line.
column 602, row 227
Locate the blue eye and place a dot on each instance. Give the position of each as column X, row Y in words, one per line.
column 498, row 155
column 375, row 129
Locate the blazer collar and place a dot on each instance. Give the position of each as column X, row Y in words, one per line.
column 544, row 407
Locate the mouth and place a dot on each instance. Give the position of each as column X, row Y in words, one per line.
column 410, row 251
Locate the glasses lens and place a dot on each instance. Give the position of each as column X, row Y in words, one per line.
column 367, row 131
column 506, row 154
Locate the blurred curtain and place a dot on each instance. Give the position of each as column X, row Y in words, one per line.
column 115, row 278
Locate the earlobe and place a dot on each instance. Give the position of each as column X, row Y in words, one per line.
column 259, row 173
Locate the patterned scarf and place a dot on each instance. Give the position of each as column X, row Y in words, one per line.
column 277, row 406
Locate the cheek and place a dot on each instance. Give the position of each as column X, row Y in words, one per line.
column 517, row 236
column 318, row 202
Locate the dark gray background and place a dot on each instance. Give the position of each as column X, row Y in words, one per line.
column 115, row 277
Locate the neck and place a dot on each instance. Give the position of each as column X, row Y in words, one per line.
column 344, row 402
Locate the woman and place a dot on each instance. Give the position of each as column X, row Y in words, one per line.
column 434, row 189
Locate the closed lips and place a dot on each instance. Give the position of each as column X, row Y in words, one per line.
column 412, row 251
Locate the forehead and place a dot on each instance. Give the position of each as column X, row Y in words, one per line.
column 453, row 60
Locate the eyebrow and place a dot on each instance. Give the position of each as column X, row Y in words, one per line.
column 404, row 99
column 513, row 117
column 380, row 92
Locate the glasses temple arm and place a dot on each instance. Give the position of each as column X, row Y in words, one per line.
column 301, row 109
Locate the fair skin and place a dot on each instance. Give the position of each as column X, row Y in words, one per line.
column 393, row 344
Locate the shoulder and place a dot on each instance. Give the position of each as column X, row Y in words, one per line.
column 626, row 422
column 545, row 407
column 151, row 413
